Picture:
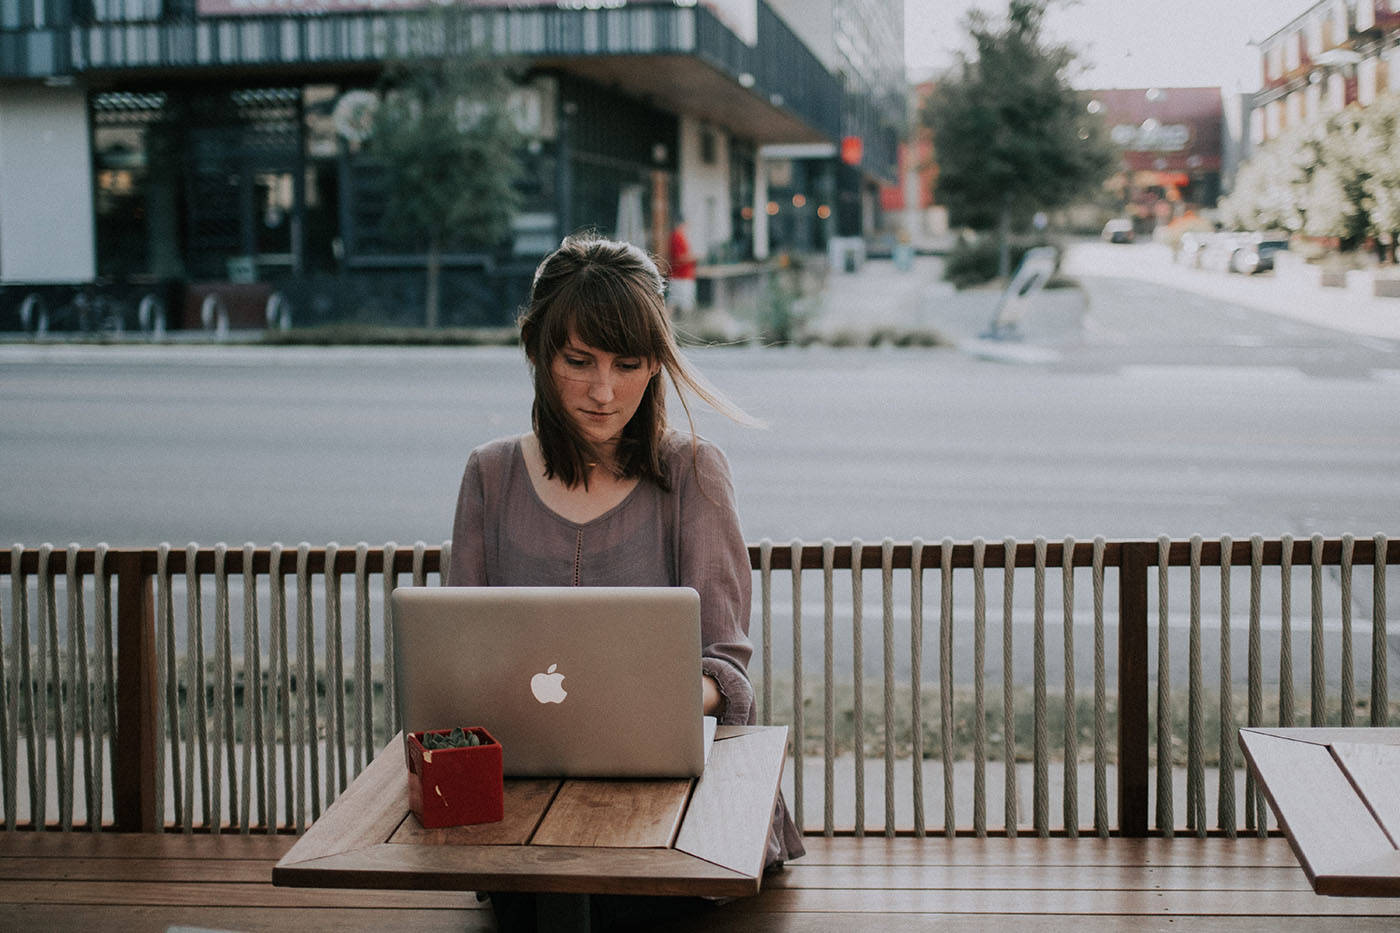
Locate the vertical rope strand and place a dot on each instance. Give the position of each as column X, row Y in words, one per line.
column 364, row 682
column 887, row 615
column 1008, row 683
column 1195, row 704
column 1225, row 796
column 1101, row 823
column 1256, row 815
column 168, row 683
column 765, row 580
column 196, row 730
column 1317, row 665
column 254, row 759
column 1348, row 672
column 74, row 694
column 335, row 680
column 858, row 676
column 279, row 729
column 945, row 683
column 979, row 698
column 1285, row 634
column 799, row 731
column 17, row 696
column 104, row 714
column 223, row 720
column 390, row 723
column 1380, row 686
column 1070, row 803
column 1040, row 787
column 53, row 684
column 829, row 688
column 107, row 685
column 27, row 701
column 1165, row 816
column 308, row 745
column 916, row 675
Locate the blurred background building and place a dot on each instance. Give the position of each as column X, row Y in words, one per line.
column 183, row 145
column 1333, row 54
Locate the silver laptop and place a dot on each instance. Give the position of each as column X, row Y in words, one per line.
column 573, row 681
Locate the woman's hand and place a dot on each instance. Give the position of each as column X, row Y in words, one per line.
column 713, row 700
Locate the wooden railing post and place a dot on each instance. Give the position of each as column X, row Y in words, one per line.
column 134, row 783
column 1133, row 738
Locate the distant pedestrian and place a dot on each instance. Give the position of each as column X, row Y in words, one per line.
column 681, row 292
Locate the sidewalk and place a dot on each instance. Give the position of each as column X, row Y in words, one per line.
column 1292, row 291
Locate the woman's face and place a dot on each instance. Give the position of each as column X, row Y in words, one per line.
column 600, row 391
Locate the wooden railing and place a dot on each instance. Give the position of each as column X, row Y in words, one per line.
column 169, row 737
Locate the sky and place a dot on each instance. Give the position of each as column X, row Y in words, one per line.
column 1125, row 43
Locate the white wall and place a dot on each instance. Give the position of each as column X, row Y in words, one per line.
column 46, row 209
column 704, row 195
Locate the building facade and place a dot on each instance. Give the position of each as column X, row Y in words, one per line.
column 1333, row 54
column 1172, row 141
column 165, row 144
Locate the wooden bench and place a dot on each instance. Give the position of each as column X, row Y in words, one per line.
column 109, row 881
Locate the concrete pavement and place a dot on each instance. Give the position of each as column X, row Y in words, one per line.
column 882, row 299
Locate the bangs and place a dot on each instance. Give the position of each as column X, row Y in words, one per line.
column 607, row 314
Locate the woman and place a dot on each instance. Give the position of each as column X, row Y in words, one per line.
column 602, row 492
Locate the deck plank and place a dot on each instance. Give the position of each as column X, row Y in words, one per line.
column 1248, row 885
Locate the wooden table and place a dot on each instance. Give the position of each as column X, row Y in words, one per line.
column 702, row 837
column 1336, row 792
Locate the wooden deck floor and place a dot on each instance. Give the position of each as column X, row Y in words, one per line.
column 83, row 882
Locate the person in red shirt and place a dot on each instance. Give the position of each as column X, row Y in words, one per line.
column 680, row 291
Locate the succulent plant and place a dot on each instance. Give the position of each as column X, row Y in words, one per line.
column 457, row 738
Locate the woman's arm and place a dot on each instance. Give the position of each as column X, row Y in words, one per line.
column 468, row 564
column 714, row 560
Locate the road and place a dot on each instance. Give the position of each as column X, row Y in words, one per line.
column 1146, row 411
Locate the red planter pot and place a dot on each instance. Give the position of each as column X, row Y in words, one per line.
column 455, row 786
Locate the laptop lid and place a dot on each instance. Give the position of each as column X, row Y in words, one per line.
column 573, row 681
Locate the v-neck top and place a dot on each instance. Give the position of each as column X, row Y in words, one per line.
column 505, row 535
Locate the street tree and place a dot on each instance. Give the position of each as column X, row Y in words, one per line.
column 1010, row 135
column 446, row 143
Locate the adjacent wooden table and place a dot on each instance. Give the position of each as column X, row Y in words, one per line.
column 1336, row 792
column 702, row 837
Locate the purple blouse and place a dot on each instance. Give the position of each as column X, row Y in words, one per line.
column 504, row 535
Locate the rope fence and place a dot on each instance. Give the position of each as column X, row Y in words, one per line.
column 254, row 683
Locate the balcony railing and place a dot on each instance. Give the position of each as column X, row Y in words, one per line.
column 780, row 69
column 239, row 689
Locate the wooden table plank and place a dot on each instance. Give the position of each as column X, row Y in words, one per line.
column 627, row 814
column 1327, row 735
column 1329, row 825
column 732, row 808
column 1374, row 771
column 366, row 813
column 526, row 801
column 557, row 869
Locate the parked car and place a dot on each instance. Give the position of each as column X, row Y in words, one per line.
column 1118, row 230
column 1242, row 252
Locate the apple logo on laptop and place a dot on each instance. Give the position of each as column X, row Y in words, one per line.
column 548, row 687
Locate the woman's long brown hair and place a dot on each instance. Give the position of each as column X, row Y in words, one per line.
column 610, row 296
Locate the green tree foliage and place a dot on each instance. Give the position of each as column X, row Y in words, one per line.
column 1011, row 137
column 1336, row 176
column 444, row 136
